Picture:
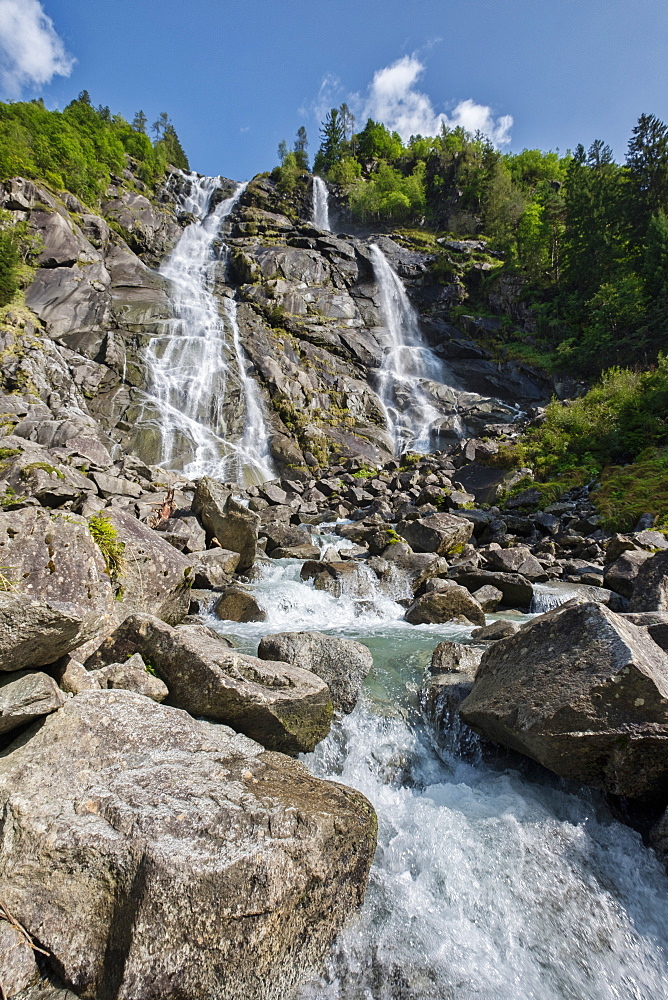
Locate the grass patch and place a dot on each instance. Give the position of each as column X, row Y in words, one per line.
column 105, row 537
column 628, row 491
column 41, row 467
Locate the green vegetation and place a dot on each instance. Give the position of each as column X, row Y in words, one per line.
column 106, row 538
column 78, row 149
column 617, row 433
column 42, row 467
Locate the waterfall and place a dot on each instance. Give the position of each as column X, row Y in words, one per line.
column 206, row 408
column 320, row 204
column 407, row 361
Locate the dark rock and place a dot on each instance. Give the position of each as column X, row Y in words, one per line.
column 440, row 533
column 517, row 591
column 488, row 597
column 621, row 574
column 650, row 592
column 517, row 559
column 455, row 657
column 433, row 608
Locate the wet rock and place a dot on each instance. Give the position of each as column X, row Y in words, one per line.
column 25, row 696
column 584, row 693
column 18, row 968
column 284, row 536
column 281, row 706
column 237, row 605
column 351, row 578
column 36, row 632
column 439, row 533
column 418, row 566
column 650, row 592
column 296, row 552
column 433, row 608
column 214, row 567
column 204, row 865
column 132, row 675
column 341, row 663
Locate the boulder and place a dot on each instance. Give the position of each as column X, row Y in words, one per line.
column 296, row 552
column 284, row 535
column 517, row 559
column 156, row 857
column 436, row 607
column 439, row 533
column 488, row 597
column 650, row 592
column 73, row 677
column 517, row 590
column 455, row 657
column 132, row 675
column 18, row 968
column 25, row 696
column 417, row 566
column 621, row 574
column 214, row 567
column 235, row 526
column 352, row 578
column 500, row 629
column 341, row 663
column 583, row 692
column 35, row 632
column 281, row 706
column 237, row 605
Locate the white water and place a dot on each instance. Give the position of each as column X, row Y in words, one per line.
column 407, row 361
column 320, row 204
column 209, row 413
column 488, row 883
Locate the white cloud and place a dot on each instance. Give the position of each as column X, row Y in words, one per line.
column 31, row 52
column 394, row 100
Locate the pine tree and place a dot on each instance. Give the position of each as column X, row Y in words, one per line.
column 300, row 147
column 333, row 135
column 647, row 162
column 139, row 122
column 174, row 149
column 160, row 125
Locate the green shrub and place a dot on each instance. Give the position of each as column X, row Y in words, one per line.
column 628, row 491
column 105, row 537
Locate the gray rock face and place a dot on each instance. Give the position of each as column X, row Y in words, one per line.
column 26, row 696
column 281, row 706
column 488, row 597
column 35, row 632
column 517, row 559
column 214, row 567
column 439, row 533
column 341, row 663
column 18, row 968
column 497, row 630
column 352, row 579
column 584, row 693
column 157, row 857
column 435, row 607
column 650, row 592
column 517, row 590
column 237, row 605
column 621, row 574
column 455, row 657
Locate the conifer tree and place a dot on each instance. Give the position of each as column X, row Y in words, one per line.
column 139, row 122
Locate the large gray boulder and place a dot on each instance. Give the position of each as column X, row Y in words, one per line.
column 349, row 578
column 235, row 526
column 650, row 592
column 35, row 632
column 516, row 589
column 518, row 559
column 417, row 566
column 583, row 692
column 436, row 607
column 439, row 533
column 620, row 575
column 281, row 706
column 341, row 663
column 25, row 696
column 156, row 857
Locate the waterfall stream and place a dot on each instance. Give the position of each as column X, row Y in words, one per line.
column 207, row 409
column 490, row 883
column 320, row 204
column 407, row 363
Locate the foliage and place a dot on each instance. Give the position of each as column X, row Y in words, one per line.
column 106, row 538
column 628, row 491
column 78, row 149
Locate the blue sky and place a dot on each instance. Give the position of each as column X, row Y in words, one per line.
column 237, row 76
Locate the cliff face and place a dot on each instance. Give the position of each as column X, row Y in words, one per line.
column 309, row 317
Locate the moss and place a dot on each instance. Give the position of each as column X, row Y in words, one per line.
column 627, row 491
column 105, row 537
column 6, row 453
column 42, row 467
column 10, row 498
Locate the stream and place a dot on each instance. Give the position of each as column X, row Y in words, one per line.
column 489, row 883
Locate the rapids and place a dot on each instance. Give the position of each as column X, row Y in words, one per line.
column 490, row 883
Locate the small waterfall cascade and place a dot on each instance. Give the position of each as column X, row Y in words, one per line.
column 407, row 362
column 206, row 407
column 320, row 204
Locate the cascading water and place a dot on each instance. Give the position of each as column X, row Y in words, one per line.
column 407, row 361
column 489, row 883
column 320, row 204
column 206, row 407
